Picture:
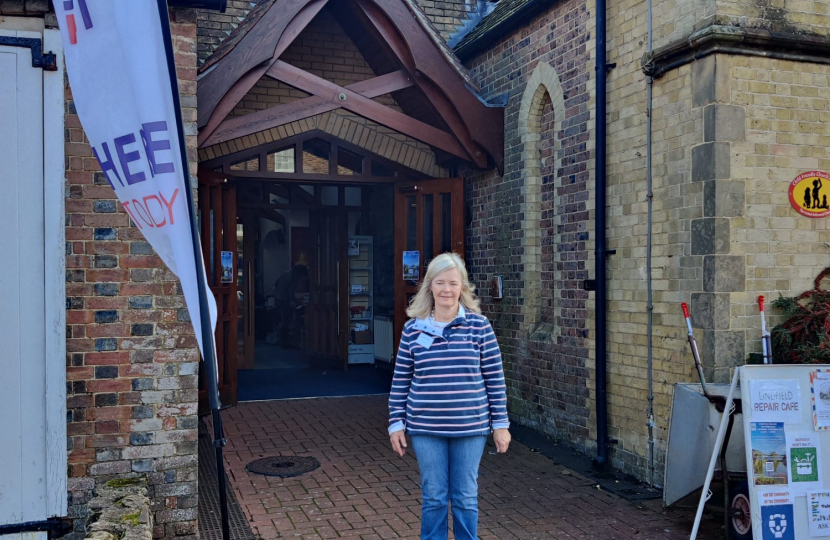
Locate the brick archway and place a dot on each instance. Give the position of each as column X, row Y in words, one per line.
column 543, row 81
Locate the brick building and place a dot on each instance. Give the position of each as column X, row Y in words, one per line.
column 740, row 104
column 739, row 109
column 732, row 125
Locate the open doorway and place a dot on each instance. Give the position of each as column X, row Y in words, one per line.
column 320, row 230
column 316, row 280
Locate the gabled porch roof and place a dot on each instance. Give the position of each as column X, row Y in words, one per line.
column 439, row 103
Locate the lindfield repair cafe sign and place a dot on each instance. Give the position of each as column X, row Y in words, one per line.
column 809, row 194
column 117, row 67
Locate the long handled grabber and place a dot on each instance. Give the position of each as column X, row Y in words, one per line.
column 693, row 345
column 766, row 338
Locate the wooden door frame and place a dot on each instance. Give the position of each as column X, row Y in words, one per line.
column 219, row 195
column 418, row 188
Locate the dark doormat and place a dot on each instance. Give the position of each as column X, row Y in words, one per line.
column 210, row 521
column 608, row 479
column 314, row 381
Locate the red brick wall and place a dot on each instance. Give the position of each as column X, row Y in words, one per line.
column 213, row 27
column 131, row 359
column 323, row 49
column 546, row 358
column 446, row 15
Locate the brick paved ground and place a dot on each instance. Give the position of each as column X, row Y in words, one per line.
column 363, row 491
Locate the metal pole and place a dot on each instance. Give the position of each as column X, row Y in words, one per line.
column 693, row 345
column 209, row 347
column 600, row 254
column 766, row 340
column 649, row 277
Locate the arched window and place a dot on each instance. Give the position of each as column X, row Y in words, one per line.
column 540, row 119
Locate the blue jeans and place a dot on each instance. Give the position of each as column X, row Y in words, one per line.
column 449, row 472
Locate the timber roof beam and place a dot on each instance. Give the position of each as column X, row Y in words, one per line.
column 475, row 130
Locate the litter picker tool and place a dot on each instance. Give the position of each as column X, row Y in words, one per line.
column 766, row 339
column 693, row 345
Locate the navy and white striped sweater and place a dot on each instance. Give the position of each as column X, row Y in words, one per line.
column 448, row 381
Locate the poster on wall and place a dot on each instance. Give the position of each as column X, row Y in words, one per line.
column 769, row 453
column 775, row 401
column 411, row 265
column 808, row 194
column 820, row 380
column 818, row 513
column 803, row 458
column 227, row 266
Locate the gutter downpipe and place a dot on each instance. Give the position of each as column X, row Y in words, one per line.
column 649, row 283
column 600, row 250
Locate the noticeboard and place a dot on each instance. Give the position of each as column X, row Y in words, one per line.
column 786, row 416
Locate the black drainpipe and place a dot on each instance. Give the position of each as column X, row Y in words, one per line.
column 600, row 253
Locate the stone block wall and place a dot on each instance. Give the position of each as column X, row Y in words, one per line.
column 534, row 225
column 677, row 127
column 729, row 134
column 132, row 362
column 675, row 20
column 786, row 110
column 796, row 16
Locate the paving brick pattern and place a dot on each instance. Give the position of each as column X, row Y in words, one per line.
column 363, row 491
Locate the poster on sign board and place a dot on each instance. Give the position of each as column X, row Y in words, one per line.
column 778, row 522
column 795, row 505
column 820, row 380
column 818, row 513
column 776, row 401
column 769, row 453
column 803, row 459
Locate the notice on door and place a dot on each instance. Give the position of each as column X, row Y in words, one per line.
column 411, row 265
column 775, row 401
column 227, row 266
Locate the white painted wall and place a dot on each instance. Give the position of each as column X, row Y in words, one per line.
column 32, row 295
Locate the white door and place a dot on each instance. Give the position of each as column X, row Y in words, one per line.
column 32, row 306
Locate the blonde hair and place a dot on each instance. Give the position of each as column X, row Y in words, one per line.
column 422, row 303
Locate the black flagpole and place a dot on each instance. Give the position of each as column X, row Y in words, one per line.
column 209, row 354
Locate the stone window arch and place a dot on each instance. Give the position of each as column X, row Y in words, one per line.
column 541, row 156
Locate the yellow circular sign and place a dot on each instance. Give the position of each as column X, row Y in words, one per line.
column 809, row 194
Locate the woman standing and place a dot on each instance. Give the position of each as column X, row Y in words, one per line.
column 448, row 392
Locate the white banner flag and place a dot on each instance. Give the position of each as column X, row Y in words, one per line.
column 117, row 68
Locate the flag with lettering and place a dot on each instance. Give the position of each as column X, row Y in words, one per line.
column 117, row 67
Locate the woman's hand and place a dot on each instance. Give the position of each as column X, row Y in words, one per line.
column 398, row 440
column 502, row 439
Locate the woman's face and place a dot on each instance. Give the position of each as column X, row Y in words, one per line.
column 446, row 288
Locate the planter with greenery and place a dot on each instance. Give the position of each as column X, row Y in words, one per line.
column 804, row 336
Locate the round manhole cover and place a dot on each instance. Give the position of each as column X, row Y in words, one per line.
column 283, row 466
